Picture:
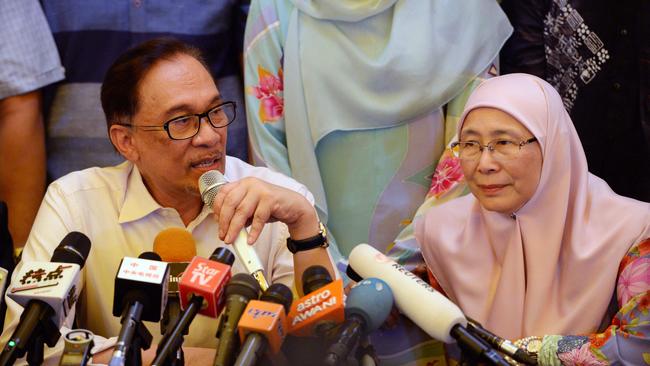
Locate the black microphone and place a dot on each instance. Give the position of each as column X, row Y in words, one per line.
column 504, row 345
column 367, row 307
column 239, row 291
column 140, row 294
column 48, row 291
column 264, row 324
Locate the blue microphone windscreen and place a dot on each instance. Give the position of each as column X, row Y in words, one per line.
column 372, row 299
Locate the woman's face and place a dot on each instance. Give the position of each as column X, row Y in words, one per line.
column 500, row 183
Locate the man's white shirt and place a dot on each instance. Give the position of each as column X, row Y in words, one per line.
column 114, row 209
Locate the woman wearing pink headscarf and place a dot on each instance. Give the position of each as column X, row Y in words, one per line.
column 542, row 251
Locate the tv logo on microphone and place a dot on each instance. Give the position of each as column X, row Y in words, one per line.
column 256, row 313
column 265, row 318
column 203, row 274
column 324, row 303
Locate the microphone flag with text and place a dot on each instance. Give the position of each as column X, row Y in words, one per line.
column 209, row 184
column 366, row 308
column 140, row 295
column 47, row 291
column 201, row 291
column 426, row 307
column 321, row 309
column 264, row 324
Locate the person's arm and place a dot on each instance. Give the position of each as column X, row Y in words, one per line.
column 254, row 201
column 22, row 161
column 30, row 61
column 627, row 340
column 524, row 51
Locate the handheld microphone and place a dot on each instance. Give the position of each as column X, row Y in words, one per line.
column 78, row 344
column 263, row 323
column 209, row 184
column 140, row 294
column 360, row 317
column 503, row 345
column 318, row 312
column 426, row 307
column 47, row 291
column 201, row 288
column 177, row 247
column 241, row 289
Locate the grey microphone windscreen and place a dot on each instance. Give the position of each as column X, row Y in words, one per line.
column 209, row 183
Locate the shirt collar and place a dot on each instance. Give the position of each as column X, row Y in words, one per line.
column 138, row 202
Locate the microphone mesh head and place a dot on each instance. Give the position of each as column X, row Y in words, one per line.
column 244, row 285
column 314, row 278
column 279, row 294
column 223, row 255
column 175, row 244
column 152, row 256
column 370, row 291
column 209, row 183
column 74, row 248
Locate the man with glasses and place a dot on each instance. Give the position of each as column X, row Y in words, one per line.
column 166, row 117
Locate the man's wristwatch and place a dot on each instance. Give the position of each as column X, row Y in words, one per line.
column 317, row 241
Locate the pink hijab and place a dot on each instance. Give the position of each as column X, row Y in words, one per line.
column 552, row 269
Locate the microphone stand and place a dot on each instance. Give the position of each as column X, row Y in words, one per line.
column 171, row 316
column 133, row 338
column 44, row 332
column 169, row 355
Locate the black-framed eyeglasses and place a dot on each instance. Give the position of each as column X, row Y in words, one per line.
column 186, row 127
column 501, row 148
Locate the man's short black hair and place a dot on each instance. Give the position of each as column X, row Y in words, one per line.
column 119, row 92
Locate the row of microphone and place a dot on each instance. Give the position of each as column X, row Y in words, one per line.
column 253, row 320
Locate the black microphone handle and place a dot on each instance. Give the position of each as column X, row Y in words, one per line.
column 504, row 345
column 170, row 343
column 130, row 320
column 251, row 350
column 477, row 345
column 33, row 317
column 348, row 338
column 171, row 313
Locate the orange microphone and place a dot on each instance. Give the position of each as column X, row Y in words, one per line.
column 318, row 312
column 177, row 247
column 264, row 324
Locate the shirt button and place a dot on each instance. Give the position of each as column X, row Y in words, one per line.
column 616, row 85
column 623, row 32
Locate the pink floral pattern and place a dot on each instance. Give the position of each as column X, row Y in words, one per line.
column 269, row 91
column 629, row 332
column 448, row 173
column 634, row 279
column 581, row 357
